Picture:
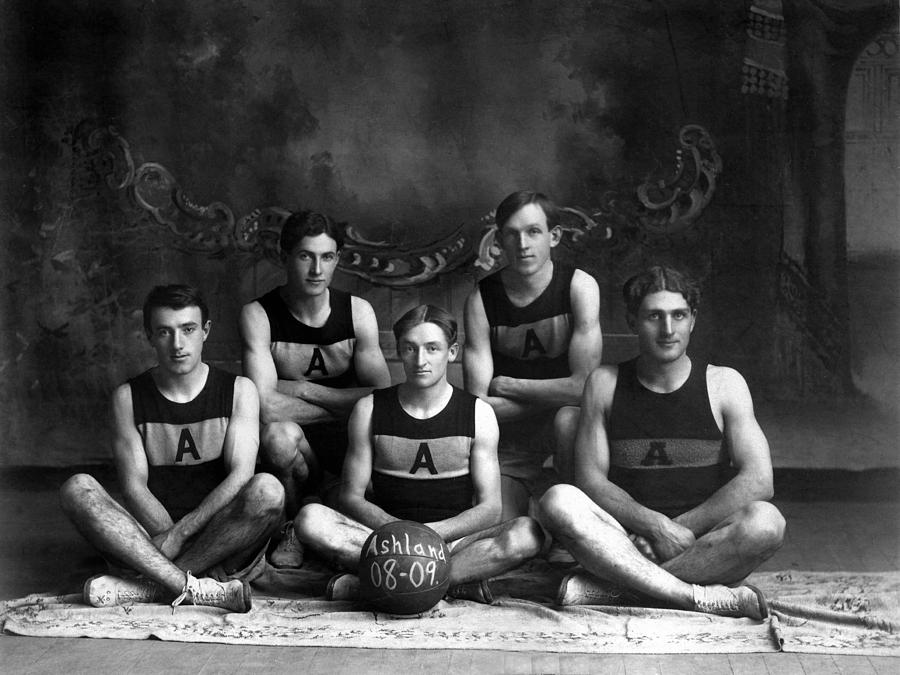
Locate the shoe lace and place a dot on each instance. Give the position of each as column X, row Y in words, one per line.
column 198, row 591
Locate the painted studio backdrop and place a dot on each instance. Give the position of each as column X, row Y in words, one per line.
column 753, row 143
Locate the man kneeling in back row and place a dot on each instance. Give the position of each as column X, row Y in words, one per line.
column 655, row 510
column 185, row 444
column 455, row 490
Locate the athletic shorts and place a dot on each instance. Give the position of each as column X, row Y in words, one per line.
column 525, row 445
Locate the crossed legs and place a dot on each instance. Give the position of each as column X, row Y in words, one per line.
column 725, row 555
column 231, row 538
column 492, row 551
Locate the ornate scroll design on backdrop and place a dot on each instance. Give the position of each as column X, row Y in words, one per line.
column 657, row 209
column 674, row 204
column 197, row 228
column 763, row 69
column 810, row 313
column 99, row 153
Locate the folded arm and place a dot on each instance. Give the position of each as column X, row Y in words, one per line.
column 368, row 361
column 275, row 405
column 585, row 350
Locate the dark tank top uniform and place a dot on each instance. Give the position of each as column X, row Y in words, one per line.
column 666, row 450
column 183, row 441
column 421, row 467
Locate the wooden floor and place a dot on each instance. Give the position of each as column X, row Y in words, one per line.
column 40, row 552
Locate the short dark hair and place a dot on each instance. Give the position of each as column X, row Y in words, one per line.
column 173, row 296
column 659, row 278
column 439, row 316
column 302, row 224
column 517, row 200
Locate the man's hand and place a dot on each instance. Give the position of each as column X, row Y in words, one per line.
column 670, row 539
column 644, row 547
column 169, row 543
column 502, row 385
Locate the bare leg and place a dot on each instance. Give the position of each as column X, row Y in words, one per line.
column 115, row 532
column 285, row 451
column 336, row 537
column 733, row 549
column 495, row 550
column 235, row 534
column 565, row 426
column 602, row 546
column 515, row 498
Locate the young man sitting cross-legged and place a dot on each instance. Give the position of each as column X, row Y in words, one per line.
column 185, row 443
column 429, row 451
column 672, row 470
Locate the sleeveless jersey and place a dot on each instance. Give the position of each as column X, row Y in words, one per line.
column 530, row 342
column 183, row 441
column 323, row 355
column 421, row 467
column 666, row 450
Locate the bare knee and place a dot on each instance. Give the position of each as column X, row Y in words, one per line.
column 312, row 522
column 263, row 496
column 560, row 505
column 75, row 491
column 762, row 527
column 522, row 540
column 565, row 423
column 280, row 445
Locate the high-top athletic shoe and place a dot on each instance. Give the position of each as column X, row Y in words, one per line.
column 342, row 587
column 579, row 588
column 746, row 601
column 105, row 590
column 477, row 591
column 289, row 552
column 233, row 595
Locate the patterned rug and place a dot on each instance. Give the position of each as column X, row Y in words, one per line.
column 832, row 613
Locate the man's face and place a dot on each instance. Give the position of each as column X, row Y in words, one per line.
column 663, row 324
column 424, row 351
column 526, row 241
column 177, row 336
column 310, row 266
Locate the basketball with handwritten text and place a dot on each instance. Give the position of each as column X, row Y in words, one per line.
column 404, row 568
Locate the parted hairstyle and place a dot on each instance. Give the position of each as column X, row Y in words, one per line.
column 659, row 278
column 439, row 316
column 517, row 200
column 173, row 296
column 308, row 224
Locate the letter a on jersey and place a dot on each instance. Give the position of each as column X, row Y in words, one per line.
column 317, row 362
column 532, row 344
column 657, row 455
column 186, row 443
column 423, row 460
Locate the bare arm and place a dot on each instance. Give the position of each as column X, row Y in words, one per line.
column 730, row 396
column 485, row 472
column 592, row 468
column 358, row 470
column 478, row 363
column 368, row 360
column 239, row 453
column 585, row 349
column 132, row 467
column 275, row 405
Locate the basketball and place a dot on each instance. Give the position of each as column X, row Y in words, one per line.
column 404, row 568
